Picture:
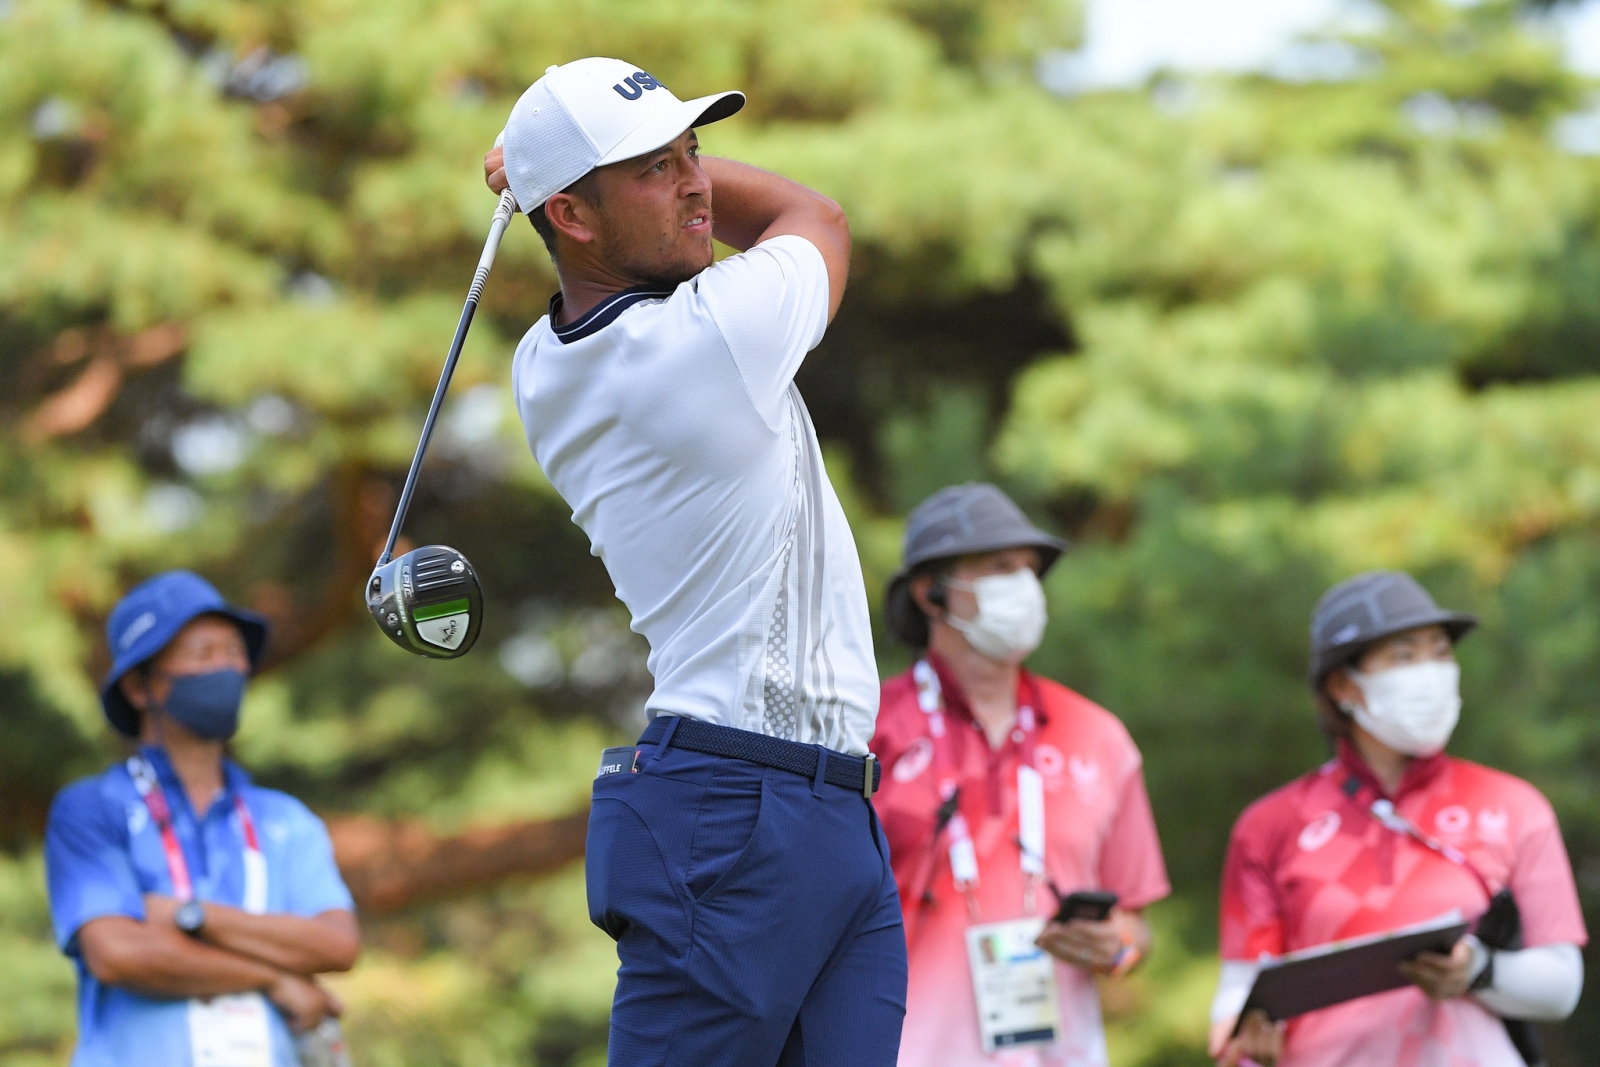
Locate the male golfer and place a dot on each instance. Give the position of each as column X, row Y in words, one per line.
column 733, row 853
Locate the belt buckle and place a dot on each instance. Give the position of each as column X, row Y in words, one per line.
column 866, row 774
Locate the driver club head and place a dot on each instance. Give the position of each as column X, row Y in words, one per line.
column 428, row 602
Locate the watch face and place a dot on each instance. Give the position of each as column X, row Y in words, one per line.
column 190, row 917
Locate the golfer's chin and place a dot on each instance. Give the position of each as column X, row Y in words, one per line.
column 697, row 253
column 692, row 256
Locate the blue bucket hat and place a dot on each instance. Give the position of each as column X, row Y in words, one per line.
column 149, row 616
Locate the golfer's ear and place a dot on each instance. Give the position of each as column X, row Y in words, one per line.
column 571, row 217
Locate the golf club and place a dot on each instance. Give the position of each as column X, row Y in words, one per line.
column 428, row 600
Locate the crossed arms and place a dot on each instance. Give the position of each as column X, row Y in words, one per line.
column 236, row 952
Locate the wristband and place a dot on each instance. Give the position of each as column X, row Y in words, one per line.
column 1485, row 978
column 1126, row 959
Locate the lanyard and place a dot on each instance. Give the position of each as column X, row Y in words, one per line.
column 1385, row 812
column 255, row 862
column 1030, row 791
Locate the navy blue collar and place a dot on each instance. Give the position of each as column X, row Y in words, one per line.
column 604, row 313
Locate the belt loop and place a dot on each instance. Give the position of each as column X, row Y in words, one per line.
column 867, row 783
column 666, row 736
column 822, row 771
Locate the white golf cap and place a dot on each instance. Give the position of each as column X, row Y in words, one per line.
column 591, row 112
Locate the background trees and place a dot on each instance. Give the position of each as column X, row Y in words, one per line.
column 1237, row 338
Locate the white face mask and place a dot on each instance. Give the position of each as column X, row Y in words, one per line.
column 1412, row 709
column 1011, row 615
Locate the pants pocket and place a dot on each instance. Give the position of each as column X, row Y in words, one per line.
column 725, row 825
column 600, row 849
column 620, row 856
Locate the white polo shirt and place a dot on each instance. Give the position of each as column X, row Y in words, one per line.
column 668, row 420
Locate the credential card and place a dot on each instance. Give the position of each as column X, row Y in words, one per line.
column 1015, row 984
column 230, row 1031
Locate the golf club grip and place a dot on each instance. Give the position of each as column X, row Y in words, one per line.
column 502, row 218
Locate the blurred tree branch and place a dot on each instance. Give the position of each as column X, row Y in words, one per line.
column 362, row 507
column 111, row 355
column 390, row 866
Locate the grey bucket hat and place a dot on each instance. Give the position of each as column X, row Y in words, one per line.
column 959, row 521
column 1368, row 607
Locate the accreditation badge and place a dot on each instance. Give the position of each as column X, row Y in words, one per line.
column 1015, row 984
column 230, row 1031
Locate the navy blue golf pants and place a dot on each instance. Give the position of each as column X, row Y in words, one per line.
column 755, row 915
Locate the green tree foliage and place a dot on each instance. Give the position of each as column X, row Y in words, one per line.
column 1237, row 337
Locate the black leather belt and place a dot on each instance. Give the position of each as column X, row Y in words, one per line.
column 857, row 773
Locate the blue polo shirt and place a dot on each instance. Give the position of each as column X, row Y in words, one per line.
column 103, row 853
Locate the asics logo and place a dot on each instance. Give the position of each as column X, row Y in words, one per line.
column 914, row 760
column 634, row 85
column 1319, row 831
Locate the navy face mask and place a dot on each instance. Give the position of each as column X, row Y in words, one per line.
column 207, row 704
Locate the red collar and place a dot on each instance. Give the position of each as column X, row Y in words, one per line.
column 1419, row 772
column 955, row 698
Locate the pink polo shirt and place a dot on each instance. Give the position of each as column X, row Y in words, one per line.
column 1099, row 834
column 1309, row 864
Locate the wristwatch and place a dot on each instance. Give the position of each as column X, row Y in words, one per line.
column 190, row 917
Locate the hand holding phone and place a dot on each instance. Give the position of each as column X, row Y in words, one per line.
column 1101, row 947
column 1092, row 904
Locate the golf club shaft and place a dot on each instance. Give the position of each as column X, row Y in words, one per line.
column 497, row 229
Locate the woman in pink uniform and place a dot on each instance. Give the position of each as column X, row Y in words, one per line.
column 1002, row 789
column 1392, row 832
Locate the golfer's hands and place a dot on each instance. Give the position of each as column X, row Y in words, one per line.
column 494, row 170
column 303, row 1001
column 1259, row 1041
column 1441, row 976
column 1082, row 943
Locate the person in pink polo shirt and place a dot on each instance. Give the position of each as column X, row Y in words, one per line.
column 1003, row 791
column 1392, row 832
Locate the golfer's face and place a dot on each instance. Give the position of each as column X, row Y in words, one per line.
column 656, row 217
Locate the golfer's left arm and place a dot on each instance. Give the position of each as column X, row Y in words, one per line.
column 750, row 205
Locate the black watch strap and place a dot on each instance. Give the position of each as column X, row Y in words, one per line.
column 190, row 917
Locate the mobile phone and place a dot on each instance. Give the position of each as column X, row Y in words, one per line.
column 1092, row 904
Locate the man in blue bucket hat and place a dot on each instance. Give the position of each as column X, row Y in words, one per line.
column 197, row 906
